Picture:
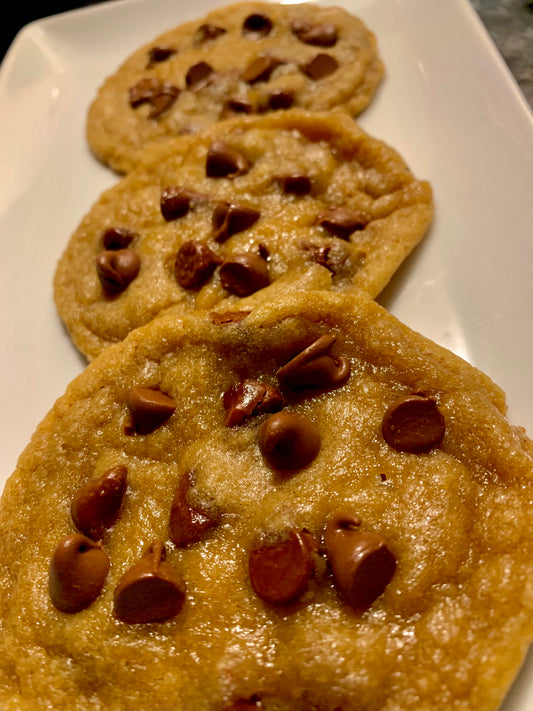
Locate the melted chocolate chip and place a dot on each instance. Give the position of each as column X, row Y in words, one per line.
column 117, row 238
column 176, row 201
column 257, row 25
column 195, row 264
column 152, row 90
column 144, row 91
column 280, row 99
column 149, row 408
column 316, row 367
column 95, row 506
column 116, row 269
column 337, row 256
column 413, row 424
column 77, row 573
column 249, row 398
column 296, row 184
column 260, row 69
column 361, row 561
column 208, row 31
column 160, row 54
column 220, row 319
column 152, row 590
column 238, row 105
column 244, row 704
column 289, row 440
column 164, row 100
column 280, row 573
column 342, row 221
column 188, row 523
column 229, row 219
column 244, row 274
column 223, row 161
column 320, row 255
column 318, row 35
column 263, row 251
column 320, row 66
column 199, row 75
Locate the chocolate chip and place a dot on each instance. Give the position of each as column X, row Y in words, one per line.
column 296, row 184
column 163, row 100
column 223, row 161
column 342, row 221
column 289, row 440
column 260, row 69
column 149, row 408
column 238, row 105
column 337, row 256
column 244, row 704
column 257, row 25
column 144, row 91
column 281, row 99
column 176, row 201
column 249, row 398
column 300, row 26
column 318, row 35
column 320, row 66
column 117, row 238
column 195, row 264
column 152, row 590
column 95, row 506
column 244, row 274
column 413, row 423
column 321, row 254
column 160, row 54
column 199, row 75
column 280, row 572
column 315, row 366
column 229, row 219
column 208, row 31
column 188, row 523
column 220, row 319
column 361, row 561
column 77, row 573
column 116, row 269
column 263, row 251
column 152, row 90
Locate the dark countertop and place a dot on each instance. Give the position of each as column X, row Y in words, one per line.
column 509, row 22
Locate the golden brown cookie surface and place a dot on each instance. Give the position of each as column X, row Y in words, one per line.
column 289, row 200
column 408, row 572
column 245, row 58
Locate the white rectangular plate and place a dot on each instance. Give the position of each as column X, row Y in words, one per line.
column 448, row 104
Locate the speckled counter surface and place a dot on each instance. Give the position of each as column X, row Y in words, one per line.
column 510, row 24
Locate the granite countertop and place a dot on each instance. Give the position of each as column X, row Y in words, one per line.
column 510, row 24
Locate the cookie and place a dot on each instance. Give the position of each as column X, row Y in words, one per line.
column 258, row 204
column 245, row 58
column 300, row 506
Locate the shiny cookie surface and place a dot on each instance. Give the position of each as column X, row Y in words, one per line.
column 256, row 205
column 302, row 504
column 246, row 58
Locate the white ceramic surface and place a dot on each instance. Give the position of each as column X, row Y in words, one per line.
column 448, row 104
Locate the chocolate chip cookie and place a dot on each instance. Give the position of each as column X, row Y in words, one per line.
column 254, row 205
column 299, row 505
column 245, row 58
